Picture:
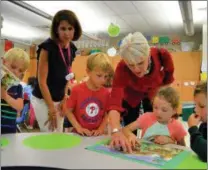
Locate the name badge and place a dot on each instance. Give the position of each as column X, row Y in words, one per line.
column 69, row 76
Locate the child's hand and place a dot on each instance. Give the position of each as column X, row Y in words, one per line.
column 98, row 132
column 133, row 140
column 194, row 120
column 83, row 131
column 163, row 140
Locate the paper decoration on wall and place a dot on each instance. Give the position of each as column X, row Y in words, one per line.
column 176, row 40
column 8, row 45
column 192, row 83
column 148, row 38
column 94, row 51
column 111, row 52
column 187, row 46
column 155, row 39
column 164, row 40
column 113, row 30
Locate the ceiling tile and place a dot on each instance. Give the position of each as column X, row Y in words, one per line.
column 122, row 7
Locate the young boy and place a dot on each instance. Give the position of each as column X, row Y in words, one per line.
column 87, row 103
column 198, row 138
column 17, row 61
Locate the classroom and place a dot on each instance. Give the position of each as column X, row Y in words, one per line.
column 103, row 85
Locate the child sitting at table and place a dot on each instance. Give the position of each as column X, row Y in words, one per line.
column 198, row 136
column 88, row 101
column 17, row 62
column 159, row 126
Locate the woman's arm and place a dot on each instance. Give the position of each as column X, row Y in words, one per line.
column 42, row 79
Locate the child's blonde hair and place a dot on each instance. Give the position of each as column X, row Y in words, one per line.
column 16, row 54
column 99, row 60
column 133, row 47
column 170, row 95
column 201, row 87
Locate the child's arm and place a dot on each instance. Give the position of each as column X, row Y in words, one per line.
column 76, row 124
column 17, row 104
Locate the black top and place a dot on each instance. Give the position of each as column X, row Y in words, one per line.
column 57, row 69
column 199, row 140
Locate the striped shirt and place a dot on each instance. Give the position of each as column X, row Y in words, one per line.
column 9, row 114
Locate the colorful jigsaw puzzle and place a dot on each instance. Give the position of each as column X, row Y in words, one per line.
column 161, row 156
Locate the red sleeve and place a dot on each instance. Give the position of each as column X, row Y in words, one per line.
column 179, row 131
column 168, row 65
column 117, row 92
column 72, row 100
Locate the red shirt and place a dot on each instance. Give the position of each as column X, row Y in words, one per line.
column 133, row 89
column 89, row 106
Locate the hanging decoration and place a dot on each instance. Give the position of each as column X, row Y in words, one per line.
column 113, row 30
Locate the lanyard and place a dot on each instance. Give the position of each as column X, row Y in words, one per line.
column 63, row 58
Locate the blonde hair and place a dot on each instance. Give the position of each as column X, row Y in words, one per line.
column 15, row 54
column 201, row 87
column 99, row 60
column 170, row 95
column 133, row 47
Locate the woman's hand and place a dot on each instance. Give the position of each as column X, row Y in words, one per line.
column 52, row 118
column 119, row 141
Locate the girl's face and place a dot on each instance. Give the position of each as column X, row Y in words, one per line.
column 163, row 110
column 201, row 106
column 65, row 31
column 139, row 68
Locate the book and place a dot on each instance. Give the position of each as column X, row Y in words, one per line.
column 8, row 79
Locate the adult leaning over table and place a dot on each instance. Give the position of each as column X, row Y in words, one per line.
column 142, row 70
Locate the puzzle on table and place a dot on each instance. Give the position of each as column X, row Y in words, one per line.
column 146, row 152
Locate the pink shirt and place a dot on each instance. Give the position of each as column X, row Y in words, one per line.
column 175, row 128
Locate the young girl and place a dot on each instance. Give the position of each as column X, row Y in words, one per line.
column 198, row 136
column 159, row 126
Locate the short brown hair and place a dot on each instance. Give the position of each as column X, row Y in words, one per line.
column 170, row 95
column 201, row 87
column 66, row 15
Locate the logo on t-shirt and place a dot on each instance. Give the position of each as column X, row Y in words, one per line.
column 92, row 109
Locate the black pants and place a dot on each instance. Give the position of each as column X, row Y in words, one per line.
column 131, row 114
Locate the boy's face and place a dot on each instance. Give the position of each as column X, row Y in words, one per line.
column 17, row 67
column 97, row 77
column 201, row 106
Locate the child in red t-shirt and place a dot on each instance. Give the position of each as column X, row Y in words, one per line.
column 159, row 126
column 87, row 104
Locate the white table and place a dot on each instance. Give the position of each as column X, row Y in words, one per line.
column 16, row 154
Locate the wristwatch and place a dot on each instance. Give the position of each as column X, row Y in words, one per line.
column 115, row 130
